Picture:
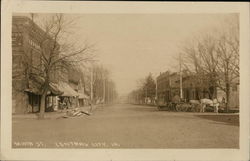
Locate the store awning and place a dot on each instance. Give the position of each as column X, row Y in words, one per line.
column 54, row 89
column 35, row 87
column 83, row 96
column 67, row 90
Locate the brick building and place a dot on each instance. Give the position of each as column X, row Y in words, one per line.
column 168, row 85
column 26, row 56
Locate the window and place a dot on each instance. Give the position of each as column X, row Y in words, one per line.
column 234, row 88
column 17, row 63
column 17, row 39
column 34, row 44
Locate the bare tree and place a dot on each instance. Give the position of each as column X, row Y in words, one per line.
column 201, row 58
column 54, row 56
column 214, row 58
column 103, row 86
column 228, row 51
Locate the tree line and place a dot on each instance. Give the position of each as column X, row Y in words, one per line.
column 146, row 90
column 104, row 88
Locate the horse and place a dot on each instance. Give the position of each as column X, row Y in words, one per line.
column 214, row 103
column 204, row 102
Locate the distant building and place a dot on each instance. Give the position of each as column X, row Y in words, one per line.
column 75, row 82
column 163, row 87
column 168, row 85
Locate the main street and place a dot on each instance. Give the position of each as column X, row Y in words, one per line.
column 129, row 126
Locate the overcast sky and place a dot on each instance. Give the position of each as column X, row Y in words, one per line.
column 132, row 45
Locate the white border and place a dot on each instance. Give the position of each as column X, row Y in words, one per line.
column 125, row 154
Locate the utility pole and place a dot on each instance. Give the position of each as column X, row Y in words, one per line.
column 156, row 89
column 170, row 89
column 111, row 97
column 91, row 84
column 181, row 92
column 107, row 91
column 104, row 89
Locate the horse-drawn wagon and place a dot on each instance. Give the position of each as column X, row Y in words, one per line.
column 180, row 105
column 176, row 104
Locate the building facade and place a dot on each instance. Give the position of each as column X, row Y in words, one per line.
column 168, row 85
column 26, row 57
column 27, row 43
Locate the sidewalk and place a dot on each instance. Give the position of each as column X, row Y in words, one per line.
column 51, row 115
column 47, row 115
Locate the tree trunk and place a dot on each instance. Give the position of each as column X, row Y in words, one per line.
column 43, row 102
column 227, row 85
column 227, row 96
column 42, row 106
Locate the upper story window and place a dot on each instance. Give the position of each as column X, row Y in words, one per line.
column 34, row 44
column 17, row 39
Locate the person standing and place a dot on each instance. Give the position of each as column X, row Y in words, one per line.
column 90, row 107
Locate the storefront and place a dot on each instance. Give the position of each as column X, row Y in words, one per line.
column 69, row 98
column 34, row 97
column 83, row 100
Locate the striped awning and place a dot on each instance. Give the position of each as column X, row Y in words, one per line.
column 67, row 90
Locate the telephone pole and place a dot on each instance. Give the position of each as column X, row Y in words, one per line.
column 156, row 90
column 181, row 90
column 91, row 84
column 104, row 89
column 107, row 91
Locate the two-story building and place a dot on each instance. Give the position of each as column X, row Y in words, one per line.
column 27, row 59
column 193, row 88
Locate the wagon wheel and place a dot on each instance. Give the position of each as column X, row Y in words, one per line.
column 168, row 106
column 185, row 108
column 159, row 108
column 188, row 108
column 178, row 108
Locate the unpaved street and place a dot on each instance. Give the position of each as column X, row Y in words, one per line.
column 129, row 126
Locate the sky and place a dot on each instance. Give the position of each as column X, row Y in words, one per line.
column 133, row 45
